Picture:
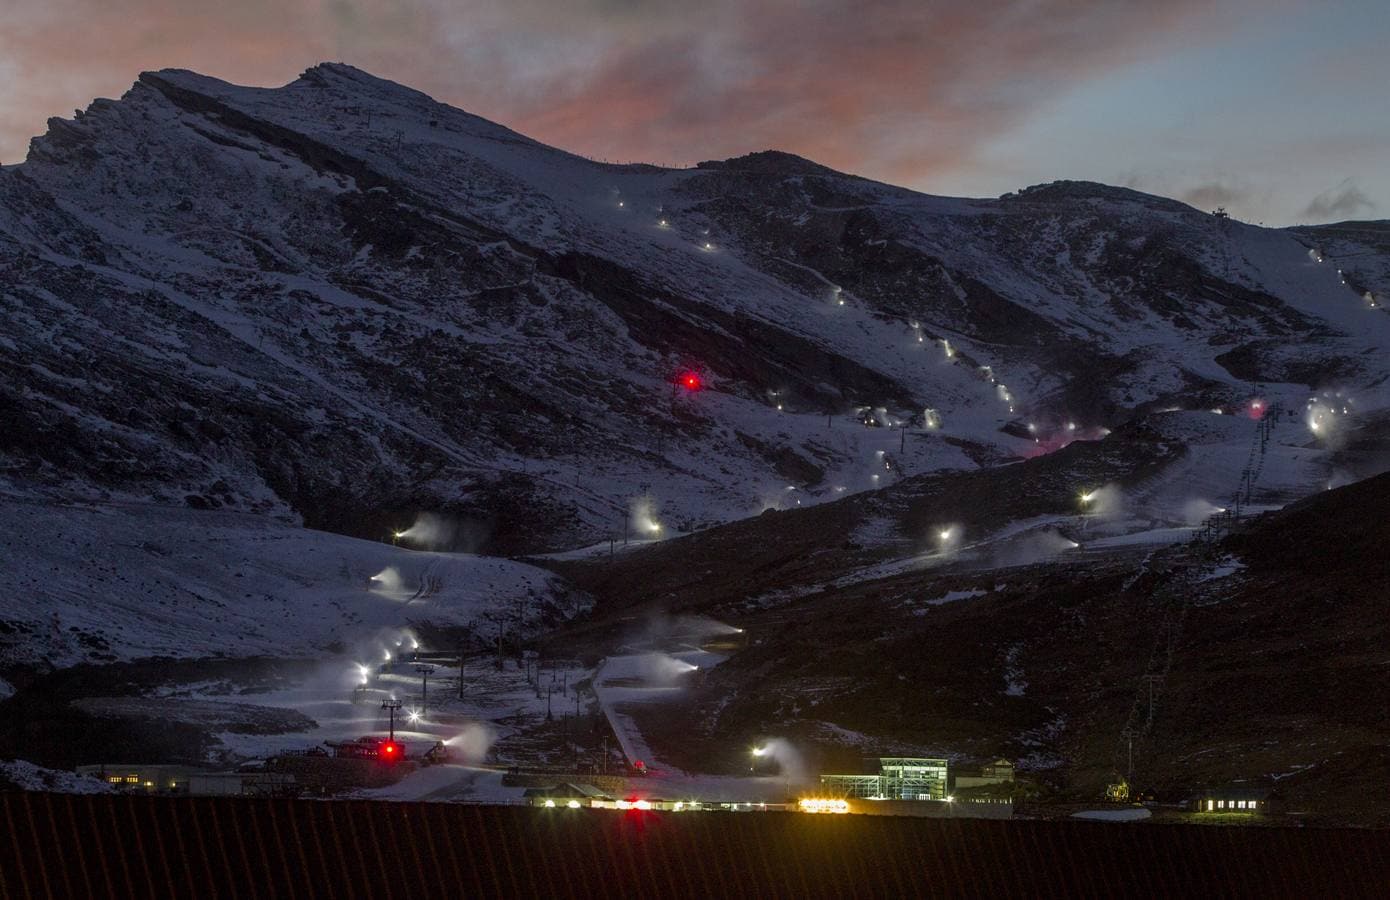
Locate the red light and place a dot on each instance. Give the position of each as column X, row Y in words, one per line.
column 691, row 381
column 389, row 749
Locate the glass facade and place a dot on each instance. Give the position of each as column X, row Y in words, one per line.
column 899, row 778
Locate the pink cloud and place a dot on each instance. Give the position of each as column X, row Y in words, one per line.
column 898, row 89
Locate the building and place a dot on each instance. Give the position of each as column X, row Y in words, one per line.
column 1238, row 800
column 162, row 779
column 1001, row 771
column 898, row 778
column 166, row 779
column 566, row 795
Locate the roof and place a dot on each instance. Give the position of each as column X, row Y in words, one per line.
column 1238, row 793
column 567, row 790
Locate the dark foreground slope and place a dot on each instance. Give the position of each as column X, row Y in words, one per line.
column 144, row 847
column 1271, row 647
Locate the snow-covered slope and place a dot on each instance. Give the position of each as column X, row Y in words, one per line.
column 107, row 583
column 340, row 302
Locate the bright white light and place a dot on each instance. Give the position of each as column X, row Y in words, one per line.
column 644, row 516
column 1071, row 426
column 414, row 716
column 550, row 804
column 387, row 654
column 642, row 804
column 573, row 804
column 759, row 751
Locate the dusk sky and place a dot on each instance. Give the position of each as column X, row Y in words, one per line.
column 1277, row 109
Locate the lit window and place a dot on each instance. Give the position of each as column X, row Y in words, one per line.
column 1211, row 804
column 132, row 779
column 1220, row 804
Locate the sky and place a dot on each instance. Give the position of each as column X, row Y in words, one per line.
column 1277, row 110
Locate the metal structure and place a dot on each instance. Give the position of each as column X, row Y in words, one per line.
column 899, row 778
column 1173, row 600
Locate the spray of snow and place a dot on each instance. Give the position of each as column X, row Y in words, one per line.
column 431, row 531
column 645, row 523
column 388, row 580
column 1032, row 548
column 472, row 743
column 1106, row 502
column 790, row 763
column 1196, row 511
column 1325, row 417
column 662, row 669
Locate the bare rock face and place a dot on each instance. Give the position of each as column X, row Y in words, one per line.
column 340, row 302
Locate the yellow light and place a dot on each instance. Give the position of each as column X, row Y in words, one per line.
column 820, row 805
column 679, row 806
column 549, row 804
column 573, row 804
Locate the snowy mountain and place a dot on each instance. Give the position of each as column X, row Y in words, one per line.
column 341, row 303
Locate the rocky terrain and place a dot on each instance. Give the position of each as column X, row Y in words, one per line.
column 340, row 303
column 965, row 471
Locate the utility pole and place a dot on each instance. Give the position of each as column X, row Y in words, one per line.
column 391, row 706
column 1129, row 734
column 424, row 685
column 460, row 673
column 1152, row 680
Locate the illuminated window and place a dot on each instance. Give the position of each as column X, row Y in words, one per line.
column 114, row 779
column 1211, row 804
column 132, row 779
column 1220, row 804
